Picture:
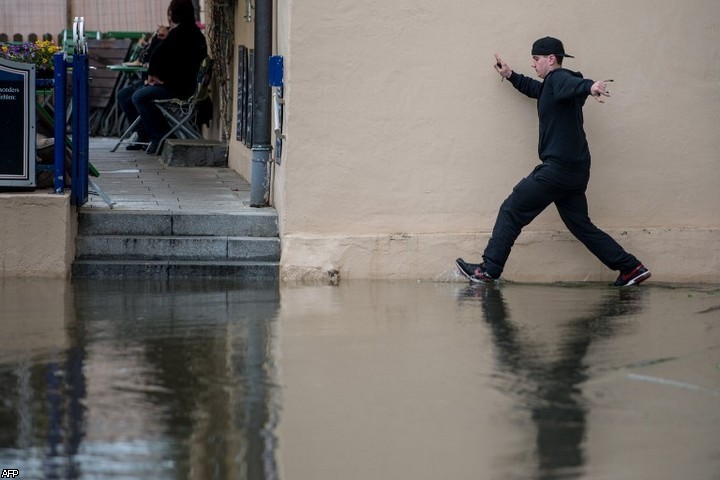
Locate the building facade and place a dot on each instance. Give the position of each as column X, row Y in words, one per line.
column 402, row 141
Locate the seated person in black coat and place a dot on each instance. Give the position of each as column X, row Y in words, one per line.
column 172, row 71
column 124, row 95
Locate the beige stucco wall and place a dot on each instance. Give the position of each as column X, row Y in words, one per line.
column 402, row 141
column 39, row 235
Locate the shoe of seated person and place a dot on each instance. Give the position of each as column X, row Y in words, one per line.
column 633, row 277
column 137, row 146
column 475, row 272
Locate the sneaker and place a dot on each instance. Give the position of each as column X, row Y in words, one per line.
column 633, row 277
column 475, row 272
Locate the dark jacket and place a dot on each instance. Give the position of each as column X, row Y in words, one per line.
column 149, row 48
column 560, row 98
column 176, row 60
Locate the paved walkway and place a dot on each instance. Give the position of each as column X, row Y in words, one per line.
column 134, row 180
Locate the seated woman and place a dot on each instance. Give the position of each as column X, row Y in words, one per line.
column 124, row 95
column 172, row 70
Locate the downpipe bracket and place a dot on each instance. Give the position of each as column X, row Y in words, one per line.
column 260, row 176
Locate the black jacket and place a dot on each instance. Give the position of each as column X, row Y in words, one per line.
column 176, row 60
column 560, row 98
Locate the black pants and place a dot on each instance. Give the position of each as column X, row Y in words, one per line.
column 138, row 100
column 545, row 185
column 124, row 99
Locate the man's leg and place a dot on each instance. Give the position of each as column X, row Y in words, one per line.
column 573, row 210
column 124, row 100
column 152, row 119
column 527, row 200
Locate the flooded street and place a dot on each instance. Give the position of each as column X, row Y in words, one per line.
column 364, row 380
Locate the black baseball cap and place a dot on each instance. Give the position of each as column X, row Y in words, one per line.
column 549, row 46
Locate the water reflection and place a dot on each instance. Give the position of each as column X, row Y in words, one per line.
column 141, row 380
column 148, row 380
column 549, row 386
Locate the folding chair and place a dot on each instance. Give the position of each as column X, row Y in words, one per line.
column 182, row 114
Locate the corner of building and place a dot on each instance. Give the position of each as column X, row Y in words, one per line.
column 38, row 238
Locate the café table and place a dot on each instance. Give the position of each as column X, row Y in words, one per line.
column 114, row 120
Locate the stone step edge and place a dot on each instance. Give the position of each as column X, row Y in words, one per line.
column 248, row 212
column 204, row 238
column 175, row 269
column 159, row 223
column 170, row 248
column 233, row 263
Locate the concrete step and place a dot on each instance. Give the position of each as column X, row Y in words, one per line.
column 182, row 152
column 264, row 271
column 172, row 247
column 171, row 244
column 253, row 223
column 177, row 247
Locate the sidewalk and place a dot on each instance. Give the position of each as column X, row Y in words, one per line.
column 134, row 180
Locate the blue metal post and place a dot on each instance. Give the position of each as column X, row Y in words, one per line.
column 80, row 129
column 60, row 127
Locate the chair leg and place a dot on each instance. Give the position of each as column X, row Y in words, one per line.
column 179, row 126
column 127, row 133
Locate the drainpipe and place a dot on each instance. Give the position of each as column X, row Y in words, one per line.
column 261, row 148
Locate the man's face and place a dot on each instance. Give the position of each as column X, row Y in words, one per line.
column 541, row 64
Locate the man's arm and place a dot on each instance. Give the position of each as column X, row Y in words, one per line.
column 525, row 85
column 571, row 87
column 566, row 85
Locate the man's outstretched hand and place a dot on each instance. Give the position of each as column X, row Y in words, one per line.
column 501, row 67
column 599, row 90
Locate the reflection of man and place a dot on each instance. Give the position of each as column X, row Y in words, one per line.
column 563, row 175
column 551, row 387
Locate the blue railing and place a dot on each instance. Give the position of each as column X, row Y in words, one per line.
column 60, row 127
column 79, row 141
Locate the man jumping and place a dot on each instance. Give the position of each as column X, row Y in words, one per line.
column 563, row 175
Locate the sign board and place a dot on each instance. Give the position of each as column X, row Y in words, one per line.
column 17, row 124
